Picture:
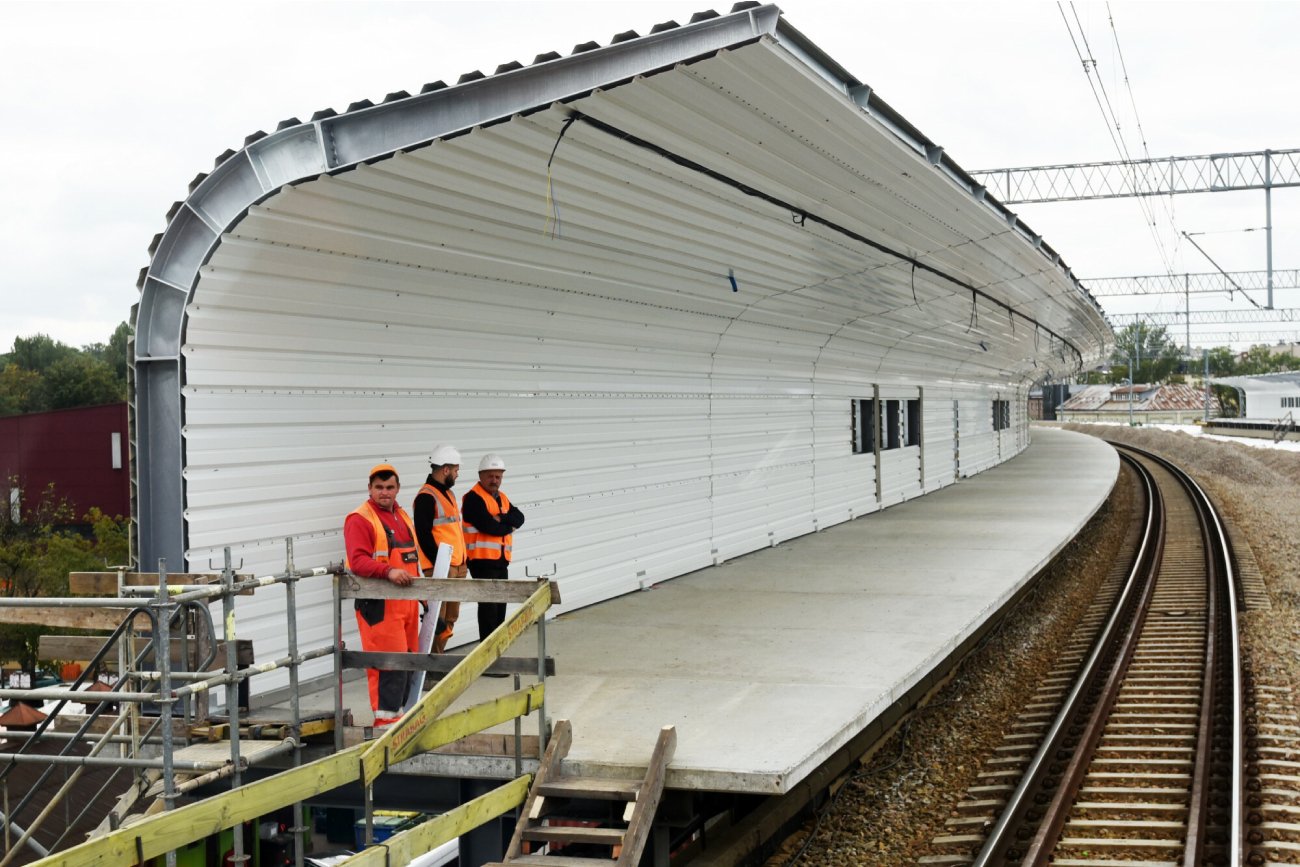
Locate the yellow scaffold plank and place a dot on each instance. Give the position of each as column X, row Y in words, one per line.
column 402, row 740
column 164, row 832
column 479, row 717
column 405, row 846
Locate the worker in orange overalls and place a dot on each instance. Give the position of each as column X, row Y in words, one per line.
column 379, row 540
column 437, row 521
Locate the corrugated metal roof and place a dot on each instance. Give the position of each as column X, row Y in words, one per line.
column 1160, row 398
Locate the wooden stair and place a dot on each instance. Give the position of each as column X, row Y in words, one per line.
column 572, row 810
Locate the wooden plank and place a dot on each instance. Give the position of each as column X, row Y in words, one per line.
column 575, row 834
column 405, row 846
column 487, row 744
column 71, row 722
column 479, row 717
column 453, row 589
column 591, row 788
column 439, row 663
column 399, row 741
column 556, row 750
column 105, row 583
column 647, row 802
column 86, row 646
column 104, row 619
column 159, row 834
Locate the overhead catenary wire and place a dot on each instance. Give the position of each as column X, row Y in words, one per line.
column 1110, row 120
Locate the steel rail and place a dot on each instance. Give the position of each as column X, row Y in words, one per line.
column 1043, row 843
column 1219, row 578
column 1219, row 552
column 1001, row 837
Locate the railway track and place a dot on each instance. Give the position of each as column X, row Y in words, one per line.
column 1131, row 750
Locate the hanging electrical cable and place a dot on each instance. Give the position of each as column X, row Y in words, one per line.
column 551, row 226
column 807, row 217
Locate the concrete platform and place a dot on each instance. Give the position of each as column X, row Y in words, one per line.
column 771, row 662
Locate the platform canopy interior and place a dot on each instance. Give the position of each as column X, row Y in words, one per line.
column 655, row 275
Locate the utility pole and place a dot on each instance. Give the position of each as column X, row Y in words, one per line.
column 1206, row 354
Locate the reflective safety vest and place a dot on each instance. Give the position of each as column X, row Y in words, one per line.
column 403, row 555
column 480, row 545
column 446, row 524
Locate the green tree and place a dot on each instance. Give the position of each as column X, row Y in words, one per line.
column 38, row 550
column 1222, row 361
column 21, row 390
column 1148, row 349
column 80, row 380
column 112, row 353
column 39, row 352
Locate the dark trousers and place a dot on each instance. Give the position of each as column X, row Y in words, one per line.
column 490, row 614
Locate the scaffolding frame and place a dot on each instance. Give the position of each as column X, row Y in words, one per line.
column 168, row 608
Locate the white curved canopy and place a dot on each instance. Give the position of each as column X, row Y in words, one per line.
column 654, row 276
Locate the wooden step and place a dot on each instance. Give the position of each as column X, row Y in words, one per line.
column 590, row 788
column 574, row 834
column 552, row 861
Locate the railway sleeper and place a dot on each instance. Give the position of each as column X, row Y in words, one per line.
column 1139, row 765
column 1094, row 862
column 1122, row 827
column 1148, row 792
column 1163, row 809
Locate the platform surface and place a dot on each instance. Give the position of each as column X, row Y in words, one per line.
column 769, row 663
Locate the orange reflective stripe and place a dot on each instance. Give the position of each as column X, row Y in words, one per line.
column 483, row 546
column 380, row 540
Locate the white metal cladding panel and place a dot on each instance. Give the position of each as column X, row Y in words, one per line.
column 845, row 483
column 938, row 439
column 979, row 445
column 900, row 474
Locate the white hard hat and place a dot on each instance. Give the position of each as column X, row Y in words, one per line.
column 491, row 461
column 444, row 454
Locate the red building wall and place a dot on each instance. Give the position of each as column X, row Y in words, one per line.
column 76, row 450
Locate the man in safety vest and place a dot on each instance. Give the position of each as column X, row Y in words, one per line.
column 437, row 520
column 379, row 543
column 490, row 520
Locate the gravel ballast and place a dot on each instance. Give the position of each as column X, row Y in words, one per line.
column 897, row 801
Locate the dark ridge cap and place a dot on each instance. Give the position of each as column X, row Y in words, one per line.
column 153, row 245
column 396, row 95
column 704, row 16
column 547, row 57
column 470, row 76
column 287, row 122
column 743, row 5
column 583, row 47
column 222, row 157
column 324, row 113
column 508, row 67
column 200, row 178
column 252, row 137
column 139, row 280
column 171, row 212
column 360, row 104
column 664, row 25
column 625, row 36
column 434, row 85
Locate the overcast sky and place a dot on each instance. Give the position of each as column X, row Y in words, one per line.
column 109, row 109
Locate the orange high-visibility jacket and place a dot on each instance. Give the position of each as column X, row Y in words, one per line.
column 396, row 554
column 481, row 546
column 446, row 523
